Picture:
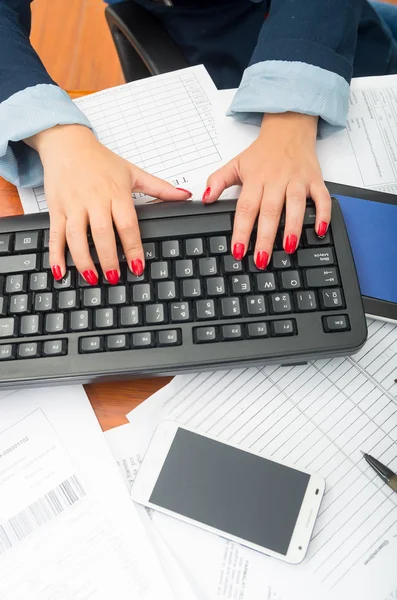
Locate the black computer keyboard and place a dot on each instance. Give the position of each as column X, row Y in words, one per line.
column 195, row 307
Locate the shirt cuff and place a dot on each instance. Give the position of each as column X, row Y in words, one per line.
column 24, row 114
column 277, row 86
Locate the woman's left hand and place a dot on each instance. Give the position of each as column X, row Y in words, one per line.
column 281, row 166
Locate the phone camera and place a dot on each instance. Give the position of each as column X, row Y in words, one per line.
column 317, row 491
column 300, row 548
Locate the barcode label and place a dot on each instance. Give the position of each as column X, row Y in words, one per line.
column 40, row 512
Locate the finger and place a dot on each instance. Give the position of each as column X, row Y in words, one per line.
column 295, row 212
column 105, row 243
column 126, row 222
column 76, row 235
column 268, row 221
column 221, row 179
column 156, row 187
column 246, row 212
column 322, row 200
column 57, row 244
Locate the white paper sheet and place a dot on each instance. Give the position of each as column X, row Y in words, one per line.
column 319, row 416
column 162, row 124
column 68, row 530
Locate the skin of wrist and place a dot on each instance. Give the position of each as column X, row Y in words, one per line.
column 294, row 127
column 65, row 135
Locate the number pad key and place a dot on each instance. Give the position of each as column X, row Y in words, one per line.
column 230, row 307
column 280, row 303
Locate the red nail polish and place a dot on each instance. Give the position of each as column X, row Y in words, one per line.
column 206, row 195
column 238, row 251
column 262, row 259
column 90, row 277
column 322, row 229
column 186, row 191
column 137, row 267
column 112, row 277
column 290, row 244
column 56, row 271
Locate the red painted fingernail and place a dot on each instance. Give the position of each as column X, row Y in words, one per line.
column 206, row 195
column 186, row 191
column 262, row 259
column 322, row 229
column 290, row 244
column 238, row 251
column 137, row 267
column 56, row 271
column 112, row 277
column 90, row 277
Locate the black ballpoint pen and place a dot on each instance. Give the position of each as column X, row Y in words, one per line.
column 384, row 472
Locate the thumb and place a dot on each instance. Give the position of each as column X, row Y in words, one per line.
column 156, row 187
column 221, row 179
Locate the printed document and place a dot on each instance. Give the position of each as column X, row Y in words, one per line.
column 68, row 530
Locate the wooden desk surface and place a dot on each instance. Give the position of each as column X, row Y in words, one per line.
column 110, row 401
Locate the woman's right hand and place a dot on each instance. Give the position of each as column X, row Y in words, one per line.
column 87, row 184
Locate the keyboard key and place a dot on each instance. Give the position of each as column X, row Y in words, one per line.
column 131, row 278
column 44, row 302
column 142, row 340
column 8, row 327
column 46, row 261
column 325, row 277
column 150, row 251
column 55, row 323
column 230, row 265
column 285, row 327
column 81, row 282
column 194, row 247
column 65, row 283
column 331, row 298
column 180, row 312
column 205, row 309
column 39, row 282
column 130, row 316
column 169, row 337
column 171, row 249
column 252, row 268
column 290, row 280
column 231, row 332
column 55, row 348
column 46, row 239
column 80, row 320
column 15, row 284
column 306, row 301
column 311, row 238
column 68, row 300
column 116, row 342
column 241, row 284
column 218, row 245
column 27, row 241
column 166, row 290
column 30, row 325
column 104, row 318
column 334, row 323
column 18, row 263
column 142, row 292
column 19, row 304
column 7, row 352
column 208, row 266
column 257, row 330
column 159, row 270
column 191, row 288
column 155, row 314
column 280, row 303
column 28, row 350
column 255, row 305
column 92, row 297
column 215, row 286
column 230, row 307
column 184, row 268
column 315, row 257
column 117, row 295
column 281, row 260
column 310, row 216
column 203, row 335
column 91, row 344
column 5, row 244
column 3, row 306
column 265, row 282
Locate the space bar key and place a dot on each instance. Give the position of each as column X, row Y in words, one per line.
column 18, row 263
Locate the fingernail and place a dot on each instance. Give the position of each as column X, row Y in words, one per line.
column 238, row 251
column 186, row 191
column 112, row 277
column 290, row 244
column 90, row 277
column 262, row 259
column 56, row 271
column 137, row 267
column 206, row 195
column 322, row 229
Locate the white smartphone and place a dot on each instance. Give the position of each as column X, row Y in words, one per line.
column 263, row 504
